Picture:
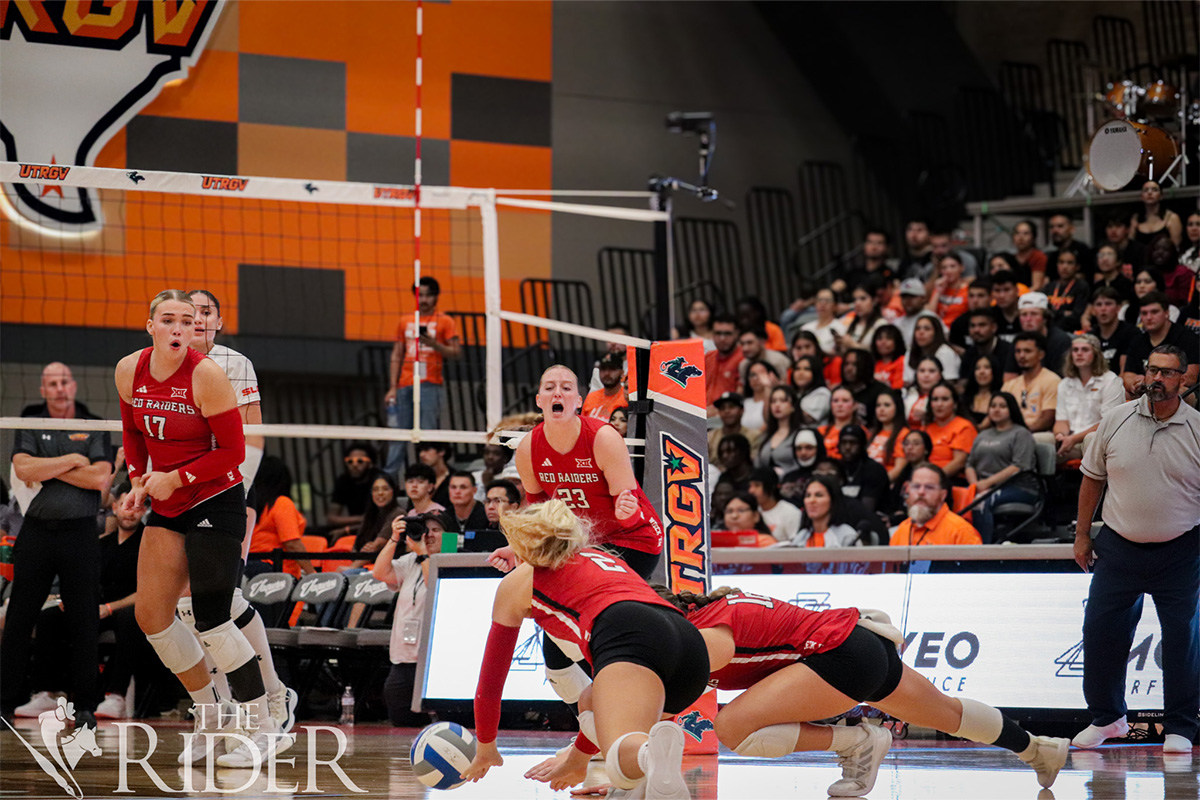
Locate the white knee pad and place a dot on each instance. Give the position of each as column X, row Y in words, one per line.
column 239, row 604
column 177, row 648
column 773, row 741
column 980, row 722
column 183, row 609
column 227, row 646
column 568, row 683
column 249, row 468
column 587, row 725
column 612, row 764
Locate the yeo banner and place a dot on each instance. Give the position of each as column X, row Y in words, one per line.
column 965, row 633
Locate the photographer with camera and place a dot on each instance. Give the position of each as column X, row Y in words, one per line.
column 407, row 575
column 423, row 341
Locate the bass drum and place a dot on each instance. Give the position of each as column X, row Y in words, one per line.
column 1123, row 150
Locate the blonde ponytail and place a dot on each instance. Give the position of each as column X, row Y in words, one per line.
column 545, row 535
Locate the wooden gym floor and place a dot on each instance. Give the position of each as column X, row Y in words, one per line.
column 376, row 759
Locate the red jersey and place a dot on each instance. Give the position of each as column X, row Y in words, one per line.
column 567, row 600
column 175, row 432
column 574, row 478
column 770, row 634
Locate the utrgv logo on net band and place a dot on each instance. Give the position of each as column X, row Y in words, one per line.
column 138, row 742
column 74, row 75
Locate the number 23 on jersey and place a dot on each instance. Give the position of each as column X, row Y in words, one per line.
column 574, row 498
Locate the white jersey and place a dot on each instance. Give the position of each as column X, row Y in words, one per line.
column 240, row 372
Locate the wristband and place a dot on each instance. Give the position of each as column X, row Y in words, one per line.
column 106, row 605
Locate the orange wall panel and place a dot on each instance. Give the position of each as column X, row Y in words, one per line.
column 210, row 91
column 319, row 29
column 503, row 166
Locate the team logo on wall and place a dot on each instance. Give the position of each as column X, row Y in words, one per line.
column 75, row 73
column 683, row 513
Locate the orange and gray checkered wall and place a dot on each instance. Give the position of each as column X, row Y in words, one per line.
column 319, row 91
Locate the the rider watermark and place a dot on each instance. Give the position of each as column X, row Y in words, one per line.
column 225, row 725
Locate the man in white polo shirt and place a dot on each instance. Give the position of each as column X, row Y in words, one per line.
column 1148, row 452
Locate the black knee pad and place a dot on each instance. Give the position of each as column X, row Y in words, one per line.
column 213, row 565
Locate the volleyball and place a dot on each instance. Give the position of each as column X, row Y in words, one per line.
column 440, row 753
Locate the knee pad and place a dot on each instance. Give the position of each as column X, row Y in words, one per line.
column 587, row 725
column 177, row 648
column 773, row 741
column 227, row 646
column 568, row 683
column 612, row 764
column 238, row 607
column 980, row 722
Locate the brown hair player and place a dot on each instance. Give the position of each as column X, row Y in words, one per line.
column 583, row 462
column 179, row 410
column 240, row 371
column 648, row 659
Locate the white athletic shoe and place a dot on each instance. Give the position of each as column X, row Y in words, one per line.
column 112, row 707
column 40, row 702
column 860, row 763
column 1093, row 736
column 1048, row 758
column 1174, row 743
column 282, row 705
column 664, row 763
column 208, row 721
column 266, row 741
column 636, row 793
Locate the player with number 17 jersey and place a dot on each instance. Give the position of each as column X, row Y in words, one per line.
column 176, row 433
column 574, row 478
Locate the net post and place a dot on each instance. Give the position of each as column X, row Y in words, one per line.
column 493, row 343
column 664, row 289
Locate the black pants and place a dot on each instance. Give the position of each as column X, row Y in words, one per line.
column 398, row 696
column 52, row 652
column 642, row 563
column 69, row 549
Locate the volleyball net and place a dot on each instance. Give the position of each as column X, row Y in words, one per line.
column 314, row 279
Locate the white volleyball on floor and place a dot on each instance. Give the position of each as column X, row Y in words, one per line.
column 440, row 753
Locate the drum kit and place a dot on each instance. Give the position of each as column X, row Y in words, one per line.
column 1144, row 138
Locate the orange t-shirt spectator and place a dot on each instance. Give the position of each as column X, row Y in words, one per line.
column 279, row 523
column 930, row 520
column 721, row 365
column 949, row 297
column 600, row 403
column 952, row 435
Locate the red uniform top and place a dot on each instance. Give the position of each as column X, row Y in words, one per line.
column 175, row 432
column 770, row 634
column 567, row 600
column 574, row 478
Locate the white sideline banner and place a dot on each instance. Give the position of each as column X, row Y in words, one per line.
column 1010, row 640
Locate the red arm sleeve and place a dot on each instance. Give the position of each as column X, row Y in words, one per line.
column 229, row 453
column 493, row 672
column 136, row 455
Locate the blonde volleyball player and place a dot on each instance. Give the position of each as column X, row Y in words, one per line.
column 240, row 371
column 179, row 410
column 646, row 657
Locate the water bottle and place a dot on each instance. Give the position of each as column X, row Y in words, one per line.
column 348, row 707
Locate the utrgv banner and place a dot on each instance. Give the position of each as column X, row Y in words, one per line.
column 676, row 476
column 74, row 74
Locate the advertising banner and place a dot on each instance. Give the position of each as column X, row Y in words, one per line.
column 677, row 460
column 1011, row 640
